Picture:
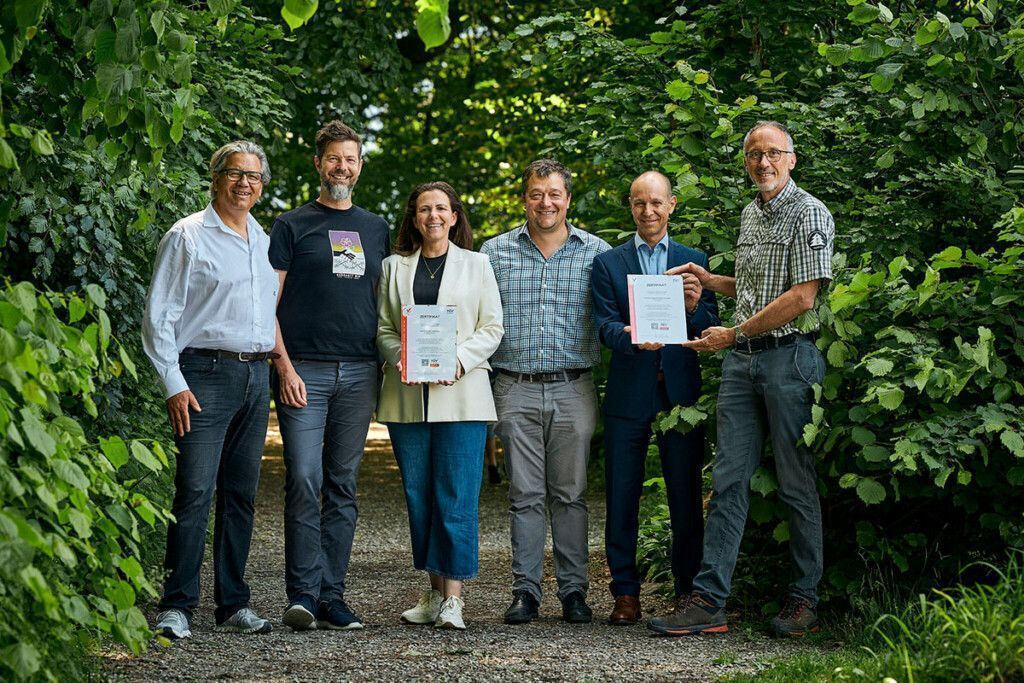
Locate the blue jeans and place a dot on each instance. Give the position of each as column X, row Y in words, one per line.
column 323, row 446
column 221, row 452
column 442, row 466
column 760, row 393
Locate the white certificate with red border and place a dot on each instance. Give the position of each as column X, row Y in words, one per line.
column 429, row 342
column 657, row 312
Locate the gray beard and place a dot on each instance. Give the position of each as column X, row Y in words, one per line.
column 339, row 192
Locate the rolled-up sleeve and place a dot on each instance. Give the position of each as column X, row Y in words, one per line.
column 811, row 255
column 168, row 292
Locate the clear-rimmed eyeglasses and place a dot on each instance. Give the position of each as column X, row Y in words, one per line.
column 236, row 174
column 756, row 155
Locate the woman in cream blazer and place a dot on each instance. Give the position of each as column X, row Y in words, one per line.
column 438, row 430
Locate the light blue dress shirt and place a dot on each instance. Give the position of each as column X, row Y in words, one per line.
column 652, row 261
column 211, row 289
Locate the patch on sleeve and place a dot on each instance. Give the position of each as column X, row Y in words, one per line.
column 816, row 240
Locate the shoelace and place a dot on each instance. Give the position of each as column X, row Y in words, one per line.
column 793, row 607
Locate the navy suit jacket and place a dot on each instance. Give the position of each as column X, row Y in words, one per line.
column 633, row 377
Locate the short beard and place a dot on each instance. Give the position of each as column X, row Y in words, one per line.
column 339, row 192
column 770, row 186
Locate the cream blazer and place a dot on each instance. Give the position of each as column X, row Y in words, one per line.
column 468, row 282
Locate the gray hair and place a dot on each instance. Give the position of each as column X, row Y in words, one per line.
column 770, row 124
column 219, row 160
column 545, row 167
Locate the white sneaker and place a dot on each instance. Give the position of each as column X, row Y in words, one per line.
column 426, row 610
column 172, row 623
column 451, row 614
column 244, row 621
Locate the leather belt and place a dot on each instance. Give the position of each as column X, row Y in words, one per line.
column 244, row 356
column 759, row 344
column 556, row 376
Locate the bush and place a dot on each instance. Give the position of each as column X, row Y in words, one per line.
column 70, row 526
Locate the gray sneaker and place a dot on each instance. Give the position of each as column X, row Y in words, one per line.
column 244, row 621
column 172, row 623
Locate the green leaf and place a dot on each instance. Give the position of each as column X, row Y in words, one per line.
column 875, row 453
column 848, row 480
column 71, row 473
column 42, row 143
column 158, row 22
column 96, row 295
column 298, row 12
column 781, row 532
column 1013, row 442
column 862, row 436
column 432, row 22
column 763, row 481
column 145, row 456
column 221, row 8
column 837, row 55
column 105, row 50
column 28, row 12
column 115, row 450
column 21, row 658
column 35, row 432
column 891, row 398
column 7, row 158
column 679, row 90
column 863, row 14
column 887, row 159
column 76, row 309
column 121, row 594
column 879, row 366
column 870, row 491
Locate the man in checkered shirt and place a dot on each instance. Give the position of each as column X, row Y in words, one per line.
column 783, row 264
column 544, row 391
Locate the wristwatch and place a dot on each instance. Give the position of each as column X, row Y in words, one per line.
column 741, row 339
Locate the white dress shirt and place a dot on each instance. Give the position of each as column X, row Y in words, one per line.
column 211, row 289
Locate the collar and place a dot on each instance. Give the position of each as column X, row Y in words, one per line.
column 778, row 200
column 574, row 232
column 639, row 241
column 211, row 219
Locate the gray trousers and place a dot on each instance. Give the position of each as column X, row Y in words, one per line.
column 546, row 429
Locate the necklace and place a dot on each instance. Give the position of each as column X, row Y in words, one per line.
column 437, row 270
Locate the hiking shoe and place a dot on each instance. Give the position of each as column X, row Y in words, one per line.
column 796, row 619
column 575, row 609
column 244, row 621
column 450, row 615
column 693, row 614
column 300, row 615
column 426, row 610
column 172, row 623
column 523, row 609
column 336, row 616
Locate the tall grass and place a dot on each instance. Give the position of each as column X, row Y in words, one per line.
column 967, row 633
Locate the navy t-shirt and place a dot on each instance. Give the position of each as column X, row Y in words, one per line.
column 328, row 309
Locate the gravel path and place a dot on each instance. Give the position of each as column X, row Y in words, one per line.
column 382, row 583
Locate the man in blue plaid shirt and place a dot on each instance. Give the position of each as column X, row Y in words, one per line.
column 544, row 391
column 783, row 264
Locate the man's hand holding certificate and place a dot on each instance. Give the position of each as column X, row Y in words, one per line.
column 429, row 342
column 656, row 309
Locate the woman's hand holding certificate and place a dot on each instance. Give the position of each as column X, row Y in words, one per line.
column 429, row 343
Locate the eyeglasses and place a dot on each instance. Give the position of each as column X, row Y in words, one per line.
column 756, row 155
column 236, row 174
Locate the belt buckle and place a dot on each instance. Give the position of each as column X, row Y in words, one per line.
column 244, row 356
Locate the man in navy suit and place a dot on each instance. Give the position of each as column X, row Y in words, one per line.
column 644, row 380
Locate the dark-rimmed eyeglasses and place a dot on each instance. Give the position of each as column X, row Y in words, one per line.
column 236, row 174
column 756, row 155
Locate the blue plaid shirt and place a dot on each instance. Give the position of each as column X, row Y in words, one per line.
column 549, row 322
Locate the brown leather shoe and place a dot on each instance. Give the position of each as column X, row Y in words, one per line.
column 626, row 611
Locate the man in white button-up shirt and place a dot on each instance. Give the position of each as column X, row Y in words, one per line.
column 209, row 328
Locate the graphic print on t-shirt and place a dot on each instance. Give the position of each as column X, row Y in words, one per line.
column 347, row 250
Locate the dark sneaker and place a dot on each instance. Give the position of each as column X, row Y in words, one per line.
column 575, row 609
column 693, row 614
column 523, row 609
column 301, row 615
column 796, row 619
column 336, row 615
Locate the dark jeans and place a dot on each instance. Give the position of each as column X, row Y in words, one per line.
column 682, row 455
column 221, row 452
column 323, row 446
column 760, row 393
column 442, row 466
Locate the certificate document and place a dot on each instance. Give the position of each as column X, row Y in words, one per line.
column 657, row 312
column 429, row 339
